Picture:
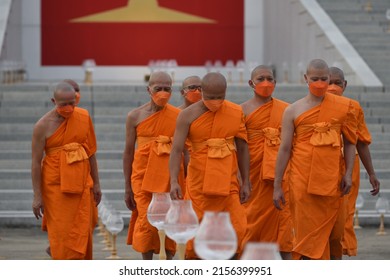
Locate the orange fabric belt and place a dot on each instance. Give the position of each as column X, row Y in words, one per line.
column 271, row 134
column 217, row 147
column 324, row 133
column 164, row 143
column 74, row 152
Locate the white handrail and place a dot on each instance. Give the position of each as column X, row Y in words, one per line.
column 344, row 47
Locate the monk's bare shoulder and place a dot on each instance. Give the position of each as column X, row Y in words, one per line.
column 249, row 106
column 191, row 113
column 246, row 106
column 137, row 115
column 47, row 124
column 296, row 108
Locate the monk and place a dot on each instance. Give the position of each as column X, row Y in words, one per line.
column 76, row 88
column 311, row 138
column 263, row 123
column 216, row 129
column 151, row 126
column 191, row 91
column 345, row 241
column 65, row 176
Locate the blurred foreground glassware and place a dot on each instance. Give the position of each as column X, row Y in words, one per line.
column 114, row 226
column 261, row 251
column 181, row 224
column 157, row 210
column 215, row 238
column 358, row 205
column 107, row 209
column 382, row 206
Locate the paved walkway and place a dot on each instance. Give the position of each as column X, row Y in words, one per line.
column 30, row 243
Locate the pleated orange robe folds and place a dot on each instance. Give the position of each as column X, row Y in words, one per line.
column 265, row 222
column 343, row 234
column 150, row 173
column 212, row 183
column 314, row 173
column 349, row 242
column 70, row 210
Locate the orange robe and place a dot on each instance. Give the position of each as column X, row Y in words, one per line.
column 343, row 234
column 349, row 242
column 70, row 210
column 150, row 173
column 212, row 182
column 265, row 222
column 314, row 173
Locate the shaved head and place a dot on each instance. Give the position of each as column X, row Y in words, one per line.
column 73, row 84
column 214, row 83
column 191, row 80
column 317, row 64
column 334, row 71
column 261, row 68
column 160, row 77
column 64, row 90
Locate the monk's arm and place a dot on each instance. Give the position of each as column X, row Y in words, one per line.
column 95, row 177
column 179, row 139
column 283, row 156
column 365, row 157
column 349, row 158
column 37, row 149
column 243, row 165
column 128, row 157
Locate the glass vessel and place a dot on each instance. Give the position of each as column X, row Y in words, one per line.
column 157, row 210
column 358, row 205
column 114, row 226
column 261, row 251
column 382, row 206
column 181, row 224
column 216, row 238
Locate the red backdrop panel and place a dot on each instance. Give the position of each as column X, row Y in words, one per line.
column 191, row 44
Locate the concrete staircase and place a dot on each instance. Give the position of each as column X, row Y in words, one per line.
column 367, row 30
column 22, row 105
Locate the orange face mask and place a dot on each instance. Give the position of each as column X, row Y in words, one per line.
column 161, row 98
column 194, row 96
column 65, row 111
column 264, row 89
column 77, row 97
column 213, row 105
column 318, row 88
column 335, row 89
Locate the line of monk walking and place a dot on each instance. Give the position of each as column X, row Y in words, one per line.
column 286, row 173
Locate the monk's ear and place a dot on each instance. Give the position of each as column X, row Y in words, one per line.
column 305, row 77
column 345, row 84
column 53, row 101
column 250, row 83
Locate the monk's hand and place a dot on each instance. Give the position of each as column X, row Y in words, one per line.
column 129, row 199
column 278, row 196
column 245, row 192
column 346, row 184
column 375, row 184
column 37, row 206
column 176, row 191
column 97, row 193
